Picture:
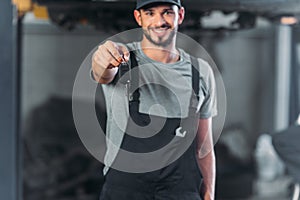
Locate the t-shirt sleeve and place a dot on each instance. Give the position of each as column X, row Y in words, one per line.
column 207, row 94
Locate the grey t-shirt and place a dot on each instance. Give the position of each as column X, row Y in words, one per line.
column 165, row 90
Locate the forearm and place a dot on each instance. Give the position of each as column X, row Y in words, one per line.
column 207, row 166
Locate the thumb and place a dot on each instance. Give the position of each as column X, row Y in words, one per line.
column 124, row 52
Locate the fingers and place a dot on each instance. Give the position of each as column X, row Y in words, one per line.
column 115, row 52
column 110, row 55
column 106, row 59
column 110, row 61
column 124, row 51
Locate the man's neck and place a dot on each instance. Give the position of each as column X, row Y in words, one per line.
column 168, row 54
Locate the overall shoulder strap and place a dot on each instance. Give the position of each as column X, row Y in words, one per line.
column 195, row 75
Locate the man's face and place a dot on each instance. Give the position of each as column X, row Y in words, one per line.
column 160, row 23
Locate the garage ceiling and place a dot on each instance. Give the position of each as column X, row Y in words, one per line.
column 101, row 13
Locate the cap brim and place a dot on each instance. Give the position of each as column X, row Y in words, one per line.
column 145, row 3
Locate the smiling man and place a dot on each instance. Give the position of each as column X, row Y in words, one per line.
column 159, row 25
column 185, row 90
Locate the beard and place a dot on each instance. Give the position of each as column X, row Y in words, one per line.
column 160, row 41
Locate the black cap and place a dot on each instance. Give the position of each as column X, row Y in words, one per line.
column 142, row 3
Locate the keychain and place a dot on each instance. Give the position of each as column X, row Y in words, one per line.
column 125, row 77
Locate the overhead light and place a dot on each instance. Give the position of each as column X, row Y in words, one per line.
column 218, row 19
column 288, row 20
column 229, row 21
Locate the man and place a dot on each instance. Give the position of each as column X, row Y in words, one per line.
column 172, row 67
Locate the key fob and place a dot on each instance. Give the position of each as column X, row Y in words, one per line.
column 124, row 74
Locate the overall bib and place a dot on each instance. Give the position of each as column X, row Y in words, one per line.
column 180, row 180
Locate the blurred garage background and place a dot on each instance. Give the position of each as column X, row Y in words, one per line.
column 254, row 43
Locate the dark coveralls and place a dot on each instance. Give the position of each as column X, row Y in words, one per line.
column 180, row 180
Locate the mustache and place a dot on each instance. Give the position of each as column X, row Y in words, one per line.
column 158, row 27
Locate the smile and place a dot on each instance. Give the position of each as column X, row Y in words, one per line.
column 160, row 31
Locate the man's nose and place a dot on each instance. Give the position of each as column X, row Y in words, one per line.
column 159, row 20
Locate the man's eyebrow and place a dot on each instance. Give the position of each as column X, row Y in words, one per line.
column 147, row 9
column 164, row 10
column 151, row 9
column 168, row 9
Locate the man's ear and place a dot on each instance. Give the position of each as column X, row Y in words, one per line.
column 181, row 15
column 137, row 16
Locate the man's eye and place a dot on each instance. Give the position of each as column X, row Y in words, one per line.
column 149, row 13
column 168, row 12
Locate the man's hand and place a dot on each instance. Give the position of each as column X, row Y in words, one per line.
column 106, row 59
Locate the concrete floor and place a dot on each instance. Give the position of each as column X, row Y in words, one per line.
column 278, row 189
